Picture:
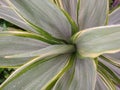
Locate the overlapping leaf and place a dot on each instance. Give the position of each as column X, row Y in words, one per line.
column 43, row 14
column 71, row 7
column 35, row 74
column 114, row 17
column 50, row 50
column 83, row 78
column 100, row 85
column 7, row 13
column 96, row 41
column 92, row 13
column 11, row 44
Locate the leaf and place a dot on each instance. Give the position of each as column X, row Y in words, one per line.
column 7, row 13
column 71, row 7
column 110, row 60
column 35, row 74
column 115, row 56
column 45, row 15
column 14, row 45
column 96, row 41
column 92, row 13
column 10, row 44
column 100, row 85
column 107, row 80
column 64, row 81
column 74, row 26
column 19, row 33
column 3, row 3
column 114, row 17
column 80, row 77
column 50, row 84
column 114, row 68
column 13, row 63
column 48, row 51
column 110, row 73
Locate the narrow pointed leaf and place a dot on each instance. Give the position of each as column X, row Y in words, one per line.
column 100, row 85
column 114, row 68
column 115, row 56
column 7, row 13
column 13, row 45
column 114, row 17
column 44, row 70
column 107, row 80
column 110, row 73
column 111, row 60
column 92, row 13
column 64, row 81
column 19, row 33
column 96, row 41
column 13, row 63
column 67, row 67
column 50, row 50
column 74, row 26
column 71, row 7
column 83, row 78
column 45, row 15
column 10, row 44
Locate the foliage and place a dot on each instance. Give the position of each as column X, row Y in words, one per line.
column 65, row 45
column 4, row 73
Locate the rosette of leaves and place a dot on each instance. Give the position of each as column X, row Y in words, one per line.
column 66, row 45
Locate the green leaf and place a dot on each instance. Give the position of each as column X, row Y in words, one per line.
column 8, row 14
column 48, row 51
column 92, row 13
column 114, row 17
column 96, row 41
column 43, row 14
column 35, row 74
column 80, row 77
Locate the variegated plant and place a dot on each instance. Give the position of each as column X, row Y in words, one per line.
column 64, row 45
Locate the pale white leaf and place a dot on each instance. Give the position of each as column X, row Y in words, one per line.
column 71, row 7
column 13, row 45
column 96, row 41
column 35, row 74
column 44, row 14
column 114, row 17
column 8, row 14
column 92, row 13
column 48, row 51
column 83, row 78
